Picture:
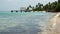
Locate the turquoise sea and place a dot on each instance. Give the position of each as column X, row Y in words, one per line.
column 23, row 23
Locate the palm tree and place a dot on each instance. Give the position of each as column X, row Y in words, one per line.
column 45, row 7
column 58, row 6
column 49, row 5
column 27, row 8
column 36, row 6
column 58, row 1
column 33, row 7
column 40, row 6
column 53, row 5
column 30, row 6
column 55, row 2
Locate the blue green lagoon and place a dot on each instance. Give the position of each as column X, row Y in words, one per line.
column 24, row 22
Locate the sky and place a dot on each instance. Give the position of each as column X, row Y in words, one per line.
column 6, row 5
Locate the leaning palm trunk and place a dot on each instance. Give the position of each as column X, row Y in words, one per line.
column 54, row 25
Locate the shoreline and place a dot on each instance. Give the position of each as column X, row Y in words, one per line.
column 54, row 24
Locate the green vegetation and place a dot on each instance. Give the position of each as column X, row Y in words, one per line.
column 52, row 7
column 58, row 8
column 58, row 1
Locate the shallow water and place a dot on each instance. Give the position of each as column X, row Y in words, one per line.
column 23, row 23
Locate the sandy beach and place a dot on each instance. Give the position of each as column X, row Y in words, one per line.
column 54, row 25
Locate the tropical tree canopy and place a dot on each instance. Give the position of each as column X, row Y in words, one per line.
column 58, row 8
column 54, row 6
column 58, row 1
